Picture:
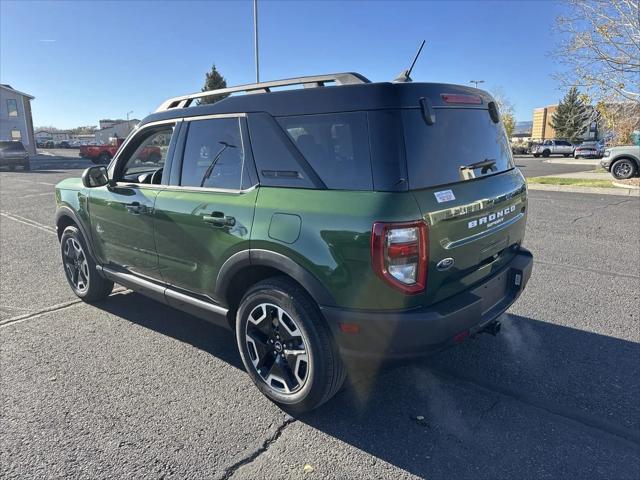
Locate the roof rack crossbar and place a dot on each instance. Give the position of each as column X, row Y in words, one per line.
column 348, row 78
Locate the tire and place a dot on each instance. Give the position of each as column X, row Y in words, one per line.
column 104, row 158
column 297, row 382
column 536, row 155
column 154, row 158
column 565, row 155
column 80, row 269
column 624, row 169
column 546, row 153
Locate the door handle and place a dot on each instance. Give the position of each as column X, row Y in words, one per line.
column 219, row 219
column 135, row 208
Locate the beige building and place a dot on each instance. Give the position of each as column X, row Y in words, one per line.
column 542, row 129
column 15, row 117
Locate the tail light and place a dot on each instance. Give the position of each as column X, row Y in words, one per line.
column 399, row 254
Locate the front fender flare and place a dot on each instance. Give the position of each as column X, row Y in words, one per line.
column 64, row 211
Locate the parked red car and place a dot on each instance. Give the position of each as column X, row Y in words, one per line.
column 102, row 154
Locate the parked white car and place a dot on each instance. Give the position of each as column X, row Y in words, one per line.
column 553, row 147
column 622, row 162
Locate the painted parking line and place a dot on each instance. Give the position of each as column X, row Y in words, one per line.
column 52, row 308
column 28, row 221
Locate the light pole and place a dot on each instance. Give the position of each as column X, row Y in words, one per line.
column 476, row 82
column 255, row 38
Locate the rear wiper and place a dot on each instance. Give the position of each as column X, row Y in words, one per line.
column 486, row 165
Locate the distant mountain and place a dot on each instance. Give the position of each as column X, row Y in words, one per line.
column 523, row 127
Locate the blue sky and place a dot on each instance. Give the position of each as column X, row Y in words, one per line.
column 89, row 60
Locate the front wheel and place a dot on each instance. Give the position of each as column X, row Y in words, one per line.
column 80, row 269
column 286, row 346
column 623, row 169
column 546, row 153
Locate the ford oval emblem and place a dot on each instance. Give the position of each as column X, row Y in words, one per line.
column 445, row 264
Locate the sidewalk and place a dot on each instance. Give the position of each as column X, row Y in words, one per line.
column 589, row 175
column 595, row 162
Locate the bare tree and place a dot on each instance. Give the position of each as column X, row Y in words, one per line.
column 601, row 47
column 505, row 107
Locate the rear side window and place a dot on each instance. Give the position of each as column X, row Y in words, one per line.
column 461, row 145
column 336, row 146
column 277, row 160
column 213, row 154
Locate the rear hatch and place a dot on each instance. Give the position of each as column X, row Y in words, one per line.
column 462, row 175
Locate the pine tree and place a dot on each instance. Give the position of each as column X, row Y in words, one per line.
column 571, row 118
column 213, row 81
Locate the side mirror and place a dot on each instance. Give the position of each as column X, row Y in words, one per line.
column 95, row 176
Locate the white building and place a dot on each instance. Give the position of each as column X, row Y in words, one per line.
column 119, row 130
column 16, row 122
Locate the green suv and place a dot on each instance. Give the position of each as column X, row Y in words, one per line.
column 347, row 219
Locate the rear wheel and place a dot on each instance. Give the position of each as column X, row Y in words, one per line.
column 536, row 155
column 155, row 158
column 104, row 158
column 80, row 269
column 623, row 169
column 286, row 346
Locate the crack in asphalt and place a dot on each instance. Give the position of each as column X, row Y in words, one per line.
column 230, row 471
column 582, row 217
column 586, row 269
column 567, row 413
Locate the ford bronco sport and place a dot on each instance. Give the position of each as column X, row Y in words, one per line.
column 346, row 219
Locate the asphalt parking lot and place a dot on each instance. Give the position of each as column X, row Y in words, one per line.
column 131, row 388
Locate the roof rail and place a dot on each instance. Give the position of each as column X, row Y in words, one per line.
column 347, row 78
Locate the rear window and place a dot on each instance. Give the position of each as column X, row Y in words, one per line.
column 11, row 146
column 446, row 151
column 336, row 146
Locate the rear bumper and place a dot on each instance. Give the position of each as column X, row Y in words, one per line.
column 416, row 332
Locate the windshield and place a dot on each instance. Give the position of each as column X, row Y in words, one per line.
column 462, row 144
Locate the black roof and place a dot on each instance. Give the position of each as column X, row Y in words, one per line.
column 342, row 98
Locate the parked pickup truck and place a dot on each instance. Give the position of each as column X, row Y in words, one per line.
column 102, row 154
column 553, row 147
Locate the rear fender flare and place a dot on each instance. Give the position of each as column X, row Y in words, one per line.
column 277, row 261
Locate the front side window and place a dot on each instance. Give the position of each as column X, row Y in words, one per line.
column 148, row 156
column 213, row 154
column 12, row 107
column 16, row 135
column 336, row 146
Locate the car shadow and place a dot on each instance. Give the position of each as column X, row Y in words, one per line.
column 536, row 400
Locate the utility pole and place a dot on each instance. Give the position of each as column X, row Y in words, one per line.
column 255, row 38
column 128, row 123
column 476, row 82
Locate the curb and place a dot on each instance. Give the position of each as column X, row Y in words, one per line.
column 566, row 161
column 622, row 192
column 624, row 185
